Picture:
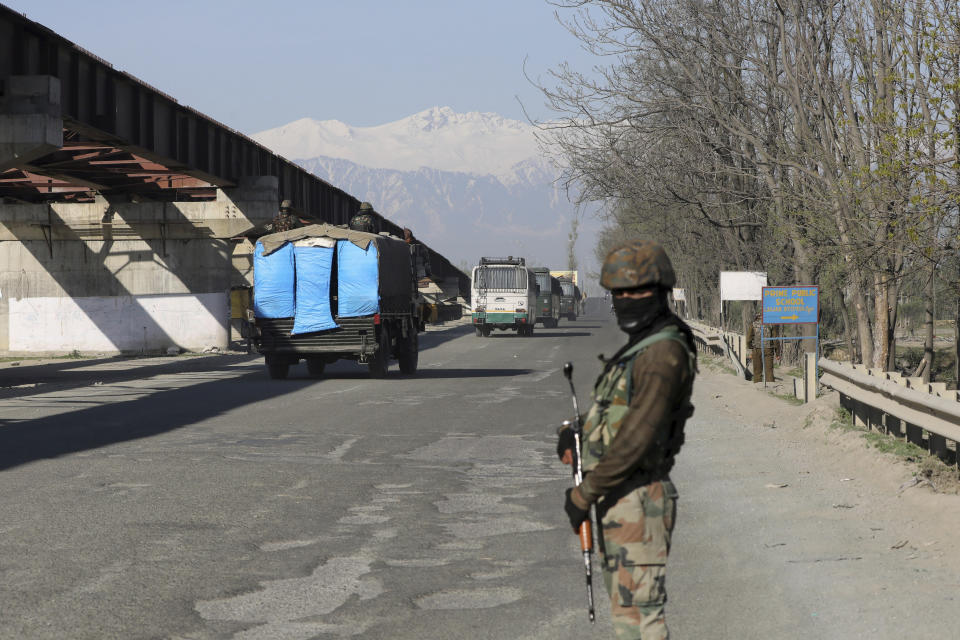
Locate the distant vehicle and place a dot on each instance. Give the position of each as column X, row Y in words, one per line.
column 504, row 296
column 569, row 299
column 323, row 293
column 548, row 298
column 571, row 275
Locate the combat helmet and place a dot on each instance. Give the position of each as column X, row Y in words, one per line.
column 366, row 206
column 286, row 205
column 637, row 264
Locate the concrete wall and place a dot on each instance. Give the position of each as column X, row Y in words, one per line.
column 125, row 324
column 110, row 277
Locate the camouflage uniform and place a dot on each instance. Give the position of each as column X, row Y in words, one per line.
column 365, row 219
column 632, row 434
column 285, row 219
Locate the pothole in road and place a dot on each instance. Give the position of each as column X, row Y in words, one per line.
column 469, row 599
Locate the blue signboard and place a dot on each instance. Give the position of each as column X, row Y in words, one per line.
column 791, row 305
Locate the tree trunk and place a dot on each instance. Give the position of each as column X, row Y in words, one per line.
column 864, row 333
column 881, row 318
column 894, row 297
column 956, row 343
column 844, row 315
column 928, row 325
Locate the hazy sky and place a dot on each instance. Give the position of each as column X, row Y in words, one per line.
column 254, row 65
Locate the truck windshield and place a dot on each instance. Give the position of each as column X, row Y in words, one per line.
column 567, row 288
column 501, row 278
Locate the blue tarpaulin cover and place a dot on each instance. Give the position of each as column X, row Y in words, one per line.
column 358, row 292
column 314, row 265
column 273, row 283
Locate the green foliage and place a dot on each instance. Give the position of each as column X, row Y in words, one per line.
column 888, row 444
column 843, row 420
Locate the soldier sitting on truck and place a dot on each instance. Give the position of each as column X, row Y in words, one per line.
column 285, row 219
column 366, row 219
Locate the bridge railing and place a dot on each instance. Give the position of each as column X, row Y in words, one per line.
column 926, row 414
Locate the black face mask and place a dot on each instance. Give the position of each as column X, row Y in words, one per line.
column 636, row 314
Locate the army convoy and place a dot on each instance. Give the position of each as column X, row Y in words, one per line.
column 323, row 293
column 507, row 295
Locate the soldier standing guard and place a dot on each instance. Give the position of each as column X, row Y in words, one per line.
column 631, row 436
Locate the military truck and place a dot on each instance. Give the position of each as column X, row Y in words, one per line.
column 323, row 293
column 569, row 299
column 503, row 294
column 548, row 298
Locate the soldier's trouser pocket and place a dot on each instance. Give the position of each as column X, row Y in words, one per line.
column 637, row 605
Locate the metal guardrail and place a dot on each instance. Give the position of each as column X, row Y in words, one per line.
column 721, row 343
column 926, row 414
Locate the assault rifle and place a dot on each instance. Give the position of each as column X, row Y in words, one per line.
column 585, row 532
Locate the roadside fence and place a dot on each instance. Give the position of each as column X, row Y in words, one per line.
column 722, row 343
column 926, row 414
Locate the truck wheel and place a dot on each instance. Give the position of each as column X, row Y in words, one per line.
column 529, row 330
column 408, row 353
column 277, row 367
column 572, row 317
column 486, row 331
column 479, row 332
column 380, row 362
column 315, row 366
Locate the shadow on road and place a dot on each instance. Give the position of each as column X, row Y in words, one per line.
column 162, row 410
column 72, row 374
column 159, row 412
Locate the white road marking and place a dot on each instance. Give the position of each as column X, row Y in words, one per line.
column 340, row 451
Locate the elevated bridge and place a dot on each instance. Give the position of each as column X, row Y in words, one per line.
column 123, row 213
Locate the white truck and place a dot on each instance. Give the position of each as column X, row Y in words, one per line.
column 504, row 296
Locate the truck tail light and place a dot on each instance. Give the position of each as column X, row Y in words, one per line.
column 376, row 318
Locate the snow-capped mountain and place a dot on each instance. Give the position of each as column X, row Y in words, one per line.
column 438, row 138
column 467, row 184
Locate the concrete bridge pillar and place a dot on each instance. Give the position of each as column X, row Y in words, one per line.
column 31, row 124
column 123, row 277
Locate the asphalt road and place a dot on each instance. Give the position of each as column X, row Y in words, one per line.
column 194, row 498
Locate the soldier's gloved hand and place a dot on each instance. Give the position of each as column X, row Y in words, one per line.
column 575, row 513
column 565, row 445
